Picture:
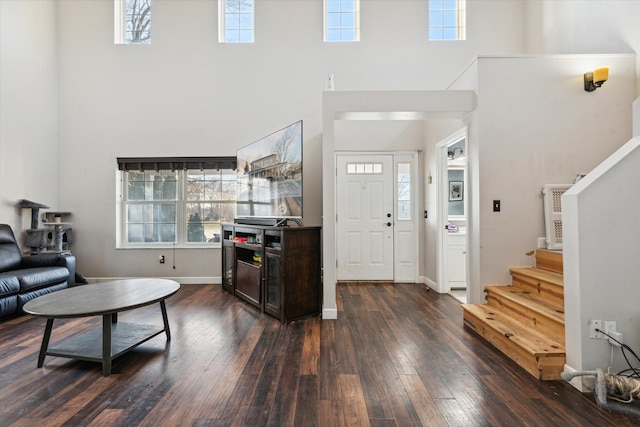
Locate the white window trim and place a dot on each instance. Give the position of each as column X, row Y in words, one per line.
column 118, row 22
column 222, row 26
column 357, row 24
column 461, row 20
column 221, row 21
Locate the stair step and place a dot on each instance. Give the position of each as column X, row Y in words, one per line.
column 549, row 260
column 543, row 316
column 547, row 285
column 540, row 356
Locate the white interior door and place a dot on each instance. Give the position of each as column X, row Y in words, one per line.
column 365, row 223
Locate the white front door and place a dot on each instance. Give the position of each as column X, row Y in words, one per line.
column 365, row 222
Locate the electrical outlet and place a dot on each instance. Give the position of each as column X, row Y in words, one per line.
column 161, row 259
column 609, row 326
column 330, row 82
column 593, row 325
column 612, row 335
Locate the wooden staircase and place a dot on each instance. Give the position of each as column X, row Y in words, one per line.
column 526, row 320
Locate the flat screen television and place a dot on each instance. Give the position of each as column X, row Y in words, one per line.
column 269, row 180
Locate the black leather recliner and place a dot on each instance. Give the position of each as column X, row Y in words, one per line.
column 23, row 278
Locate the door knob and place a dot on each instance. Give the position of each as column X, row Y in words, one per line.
column 388, row 224
column 388, row 215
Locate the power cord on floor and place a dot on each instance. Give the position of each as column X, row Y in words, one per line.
column 635, row 373
column 623, row 387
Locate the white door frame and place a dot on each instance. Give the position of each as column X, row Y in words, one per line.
column 414, row 207
column 442, row 194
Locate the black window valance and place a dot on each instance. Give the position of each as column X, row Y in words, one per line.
column 176, row 163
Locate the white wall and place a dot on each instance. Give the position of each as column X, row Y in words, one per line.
column 338, row 106
column 636, row 117
column 601, row 259
column 28, row 109
column 593, row 26
column 535, row 125
column 186, row 94
column 378, row 135
column 435, row 131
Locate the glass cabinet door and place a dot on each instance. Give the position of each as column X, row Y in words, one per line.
column 273, row 284
column 227, row 268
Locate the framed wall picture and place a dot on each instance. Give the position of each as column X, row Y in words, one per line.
column 455, row 190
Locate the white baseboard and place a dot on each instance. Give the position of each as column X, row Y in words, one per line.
column 431, row 284
column 329, row 313
column 181, row 280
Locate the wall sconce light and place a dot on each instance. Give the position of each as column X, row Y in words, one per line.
column 594, row 79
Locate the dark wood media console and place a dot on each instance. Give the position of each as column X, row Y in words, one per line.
column 276, row 269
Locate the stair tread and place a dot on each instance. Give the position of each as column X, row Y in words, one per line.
column 540, row 274
column 529, row 340
column 529, row 300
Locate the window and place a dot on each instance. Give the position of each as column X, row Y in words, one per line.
column 210, row 199
column 167, row 202
column 341, row 20
column 132, row 21
column 236, row 21
column 151, row 206
column 447, row 20
column 364, row 168
column 404, row 191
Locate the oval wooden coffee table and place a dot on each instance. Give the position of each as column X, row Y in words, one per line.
column 105, row 299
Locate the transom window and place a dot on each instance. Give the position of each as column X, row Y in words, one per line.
column 172, row 205
column 341, row 20
column 236, row 21
column 447, row 20
column 132, row 21
column 374, row 168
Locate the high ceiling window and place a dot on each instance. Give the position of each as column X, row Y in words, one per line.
column 237, row 24
column 132, row 21
column 341, row 20
column 447, row 20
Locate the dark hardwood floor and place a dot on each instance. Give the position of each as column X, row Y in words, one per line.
column 397, row 356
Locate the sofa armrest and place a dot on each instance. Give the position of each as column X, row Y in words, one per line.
column 69, row 261
column 53, row 260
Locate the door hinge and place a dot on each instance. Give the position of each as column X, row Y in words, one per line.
column 336, row 263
